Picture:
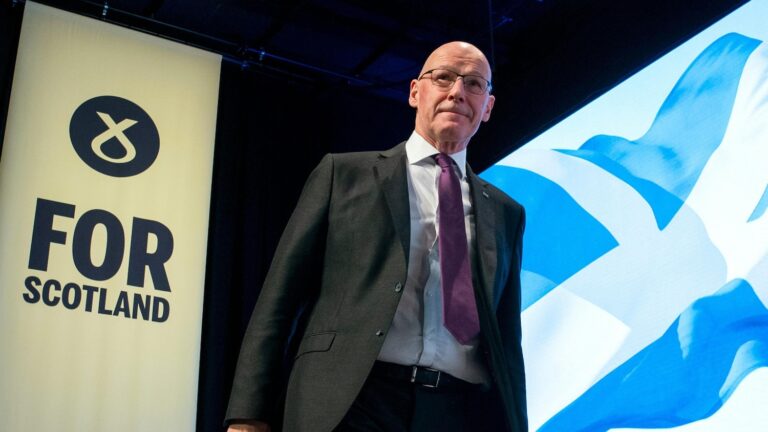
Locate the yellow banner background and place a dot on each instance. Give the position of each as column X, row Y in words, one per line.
column 74, row 370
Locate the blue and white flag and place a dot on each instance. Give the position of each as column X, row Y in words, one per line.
column 645, row 270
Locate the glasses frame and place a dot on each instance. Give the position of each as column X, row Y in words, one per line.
column 488, row 86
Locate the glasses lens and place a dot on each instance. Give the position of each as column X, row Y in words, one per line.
column 474, row 84
column 443, row 78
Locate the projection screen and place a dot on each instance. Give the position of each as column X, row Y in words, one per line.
column 645, row 271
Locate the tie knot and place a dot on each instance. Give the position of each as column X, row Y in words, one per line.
column 443, row 160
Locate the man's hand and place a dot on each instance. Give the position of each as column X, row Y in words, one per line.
column 255, row 426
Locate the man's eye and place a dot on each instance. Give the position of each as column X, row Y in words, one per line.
column 442, row 76
column 473, row 83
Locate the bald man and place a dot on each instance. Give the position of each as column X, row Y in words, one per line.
column 398, row 278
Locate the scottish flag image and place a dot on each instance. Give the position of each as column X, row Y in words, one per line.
column 645, row 269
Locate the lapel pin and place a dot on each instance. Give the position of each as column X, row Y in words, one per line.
column 485, row 194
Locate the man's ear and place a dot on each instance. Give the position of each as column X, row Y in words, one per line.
column 413, row 100
column 488, row 108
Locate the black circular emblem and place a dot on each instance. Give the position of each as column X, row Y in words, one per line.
column 114, row 136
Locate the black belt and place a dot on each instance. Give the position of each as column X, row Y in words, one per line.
column 423, row 376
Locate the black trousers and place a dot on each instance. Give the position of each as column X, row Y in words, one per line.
column 387, row 405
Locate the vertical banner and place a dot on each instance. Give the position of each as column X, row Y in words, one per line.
column 105, row 182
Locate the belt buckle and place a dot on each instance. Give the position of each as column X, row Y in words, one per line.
column 415, row 370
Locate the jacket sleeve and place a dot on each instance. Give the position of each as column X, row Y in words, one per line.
column 293, row 277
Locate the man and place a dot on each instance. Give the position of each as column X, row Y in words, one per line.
column 407, row 268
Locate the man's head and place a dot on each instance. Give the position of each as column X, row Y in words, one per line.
column 447, row 116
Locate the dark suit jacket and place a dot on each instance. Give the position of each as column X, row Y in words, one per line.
column 346, row 248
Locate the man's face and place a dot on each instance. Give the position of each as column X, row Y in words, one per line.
column 448, row 118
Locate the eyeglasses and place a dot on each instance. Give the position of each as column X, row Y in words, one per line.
column 445, row 79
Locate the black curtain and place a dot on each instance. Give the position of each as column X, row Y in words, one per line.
column 10, row 25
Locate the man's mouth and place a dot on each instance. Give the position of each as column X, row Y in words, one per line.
column 452, row 111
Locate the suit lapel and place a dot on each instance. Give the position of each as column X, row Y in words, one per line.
column 390, row 172
column 485, row 235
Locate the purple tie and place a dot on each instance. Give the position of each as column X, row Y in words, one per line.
column 459, row 307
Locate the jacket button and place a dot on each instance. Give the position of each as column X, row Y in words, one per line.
column 398, row 287
column 379, row 333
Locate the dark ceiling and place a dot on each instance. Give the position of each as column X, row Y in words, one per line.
column 549, row 56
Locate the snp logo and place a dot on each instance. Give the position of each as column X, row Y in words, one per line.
column 114, row 136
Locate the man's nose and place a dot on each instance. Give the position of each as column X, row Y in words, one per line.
column 457, row 90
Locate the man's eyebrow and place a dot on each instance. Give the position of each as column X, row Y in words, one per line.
column 473, row 72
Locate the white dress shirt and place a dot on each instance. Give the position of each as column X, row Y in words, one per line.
column 417, row 335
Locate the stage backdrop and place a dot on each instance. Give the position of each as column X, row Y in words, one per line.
column 646, row 252
column 105, row 183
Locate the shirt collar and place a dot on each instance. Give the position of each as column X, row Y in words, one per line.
column 417, row 149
